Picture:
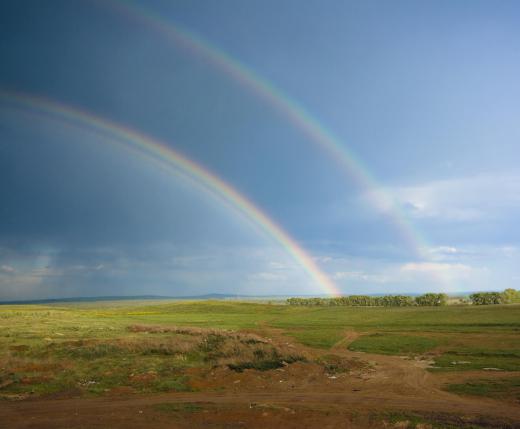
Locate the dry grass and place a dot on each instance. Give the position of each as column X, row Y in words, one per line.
column 237, row 350
column 196, row 331
column 146, row 358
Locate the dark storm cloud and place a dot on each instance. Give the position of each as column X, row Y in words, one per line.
column 426, row 94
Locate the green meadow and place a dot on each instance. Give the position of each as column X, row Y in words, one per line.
column 91, row 348
column 499, row 389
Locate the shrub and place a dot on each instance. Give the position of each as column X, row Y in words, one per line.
column 265, row 363
column 486, row 298
column 510, row 296
column 432, row 299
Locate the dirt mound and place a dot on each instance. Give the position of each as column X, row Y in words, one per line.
column 196, row 331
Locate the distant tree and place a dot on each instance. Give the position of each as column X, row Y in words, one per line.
column 432, row 299
column 510, row 295
column 486, row 298
column 397, row 301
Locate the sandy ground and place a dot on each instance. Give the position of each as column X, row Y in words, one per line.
column 301, row 395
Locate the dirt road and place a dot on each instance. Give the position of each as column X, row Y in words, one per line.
column 136, row 411
column 295, row 397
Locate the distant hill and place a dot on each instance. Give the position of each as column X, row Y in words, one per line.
column 119, row 298
column 187, row 297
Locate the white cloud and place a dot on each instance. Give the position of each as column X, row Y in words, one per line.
column 188, row 261
column 360, row 276
column 85, row 268
column 461, row 199
column 19, row 286
column 46, row 272
column 7, row 269
column 267, row 276
column 277, row 265
column 322, row 259
column 446, row 249
column 340, row 275
column 510, row 251
column 441, row 253
column 444, row 270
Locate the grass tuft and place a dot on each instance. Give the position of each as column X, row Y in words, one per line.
column 181, row 407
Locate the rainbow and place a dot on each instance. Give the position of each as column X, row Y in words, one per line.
column 154, row 150
column 288, row 107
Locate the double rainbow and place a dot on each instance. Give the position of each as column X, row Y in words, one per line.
column 289, row 108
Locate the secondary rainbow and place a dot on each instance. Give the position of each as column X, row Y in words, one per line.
column 288, row 107
column 154, row 150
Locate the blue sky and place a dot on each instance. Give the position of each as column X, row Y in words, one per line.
column 426, row 94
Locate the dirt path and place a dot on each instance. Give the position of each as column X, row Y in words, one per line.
column 348, row 337
column 32, row 414
column 393, row 383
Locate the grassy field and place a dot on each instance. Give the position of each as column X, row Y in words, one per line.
column 93, row 348
column 499, row 389
column 394, row 344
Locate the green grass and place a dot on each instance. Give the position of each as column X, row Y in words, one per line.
column 409, row 319
column 392, row 344
column 177, row 384
column 234, row 315
column 320, row 338
column 440, row 421
column 88, row 348
column 496, row 388
column 474, row 359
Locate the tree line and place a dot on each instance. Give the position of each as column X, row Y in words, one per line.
column 425, row 300
column 430, row 299
column 509, row 296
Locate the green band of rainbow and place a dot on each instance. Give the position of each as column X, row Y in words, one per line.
column 151, row 149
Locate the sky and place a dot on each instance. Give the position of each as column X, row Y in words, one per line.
column 340, row 147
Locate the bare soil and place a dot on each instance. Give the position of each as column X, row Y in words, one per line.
column 300, row 395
